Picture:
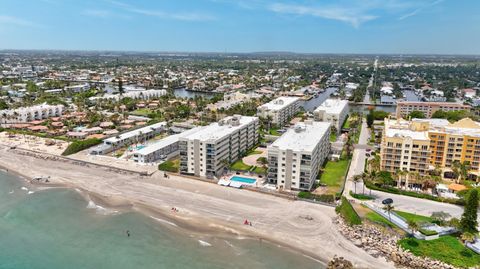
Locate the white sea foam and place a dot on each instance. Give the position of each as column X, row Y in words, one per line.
column 100, row 209
column 204, row 243
column 30, row 192
column 164, row 221
column 24, row 188
column 12, row 191
column 230, row 244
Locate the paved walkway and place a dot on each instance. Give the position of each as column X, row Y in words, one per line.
column 252, row 159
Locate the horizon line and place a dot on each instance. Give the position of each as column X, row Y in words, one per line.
column 251, row 52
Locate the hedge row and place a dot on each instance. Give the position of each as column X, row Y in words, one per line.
column 80, row 145
column 326, row 198
column 372, row 186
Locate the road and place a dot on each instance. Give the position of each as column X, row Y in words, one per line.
column 366, row 99
column 400, row 202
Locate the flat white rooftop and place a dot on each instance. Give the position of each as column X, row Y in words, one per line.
column 143, row 130
column 302, row 137
column 279, row 103
column 416, row 135
column 332, row 106
column 221, row 129
column 169, row 140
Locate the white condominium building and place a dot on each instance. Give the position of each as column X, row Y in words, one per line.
column 125, row 139
column 208, row 151
column 26, row 114
column 165, row 148
column 280, row 109
column 334, row 111
column 144, row 95
column 294, row 159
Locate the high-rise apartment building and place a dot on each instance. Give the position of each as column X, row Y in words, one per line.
column 280, row 110
column 294, row 159
column 208, row 151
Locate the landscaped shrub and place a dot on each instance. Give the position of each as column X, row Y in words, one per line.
column 326, row 198
column 373, row 186
column 80, row 145
column 427, row 232
column 360, row 196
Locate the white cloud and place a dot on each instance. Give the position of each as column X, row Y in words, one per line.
column 181, row 16
column 351, row 16
column 10, row 20
column 419, row 9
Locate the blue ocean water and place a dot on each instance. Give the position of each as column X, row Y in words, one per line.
column 56, row 228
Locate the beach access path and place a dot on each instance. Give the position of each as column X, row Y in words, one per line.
column 304, row 226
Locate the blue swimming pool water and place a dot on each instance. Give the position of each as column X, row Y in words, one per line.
column 243, row 179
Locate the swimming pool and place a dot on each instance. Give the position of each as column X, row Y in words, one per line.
column 243, row 179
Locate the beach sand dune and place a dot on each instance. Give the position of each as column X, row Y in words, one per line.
column 204, row 206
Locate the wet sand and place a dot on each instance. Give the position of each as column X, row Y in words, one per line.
column 202, row 207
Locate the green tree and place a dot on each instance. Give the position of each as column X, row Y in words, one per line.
column 468, row 237
column 412, row 225
column 3, row 104
column 356, row 179
column 417, row 115
column 468, row 222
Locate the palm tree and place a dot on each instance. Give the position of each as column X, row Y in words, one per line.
column 356, row 179
column 389, row 208
column 400, row 175
column 412, row 225
column 460, row 170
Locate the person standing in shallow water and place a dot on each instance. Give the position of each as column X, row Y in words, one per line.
column 128, row 233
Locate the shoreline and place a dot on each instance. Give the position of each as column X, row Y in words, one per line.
column 204, row 209
column 179, row 224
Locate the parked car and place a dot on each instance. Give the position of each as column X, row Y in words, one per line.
column 387, row 201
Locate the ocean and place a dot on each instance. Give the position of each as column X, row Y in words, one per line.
column 58, row 228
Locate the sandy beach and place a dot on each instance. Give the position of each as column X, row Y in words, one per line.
column 202, row 207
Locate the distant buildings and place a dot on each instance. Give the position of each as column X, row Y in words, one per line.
column 208, row 151
column 295, row 158
column 230, row 100
column 144, row 95
column 27, row 114
column 280, row 110
column 427, row 108
column 334, row 111
column 423, row 144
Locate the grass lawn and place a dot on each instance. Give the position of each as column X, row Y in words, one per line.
column 274, row 132
column 414, row 217
column 141, row 112
column 376, row 218
column 334, row 174
column 170, row 166
column 240, row 166
column 333, row 137
column 260, row 170
column 253, row 152
column 447, row 249
column 348, row 213
column 346, row 124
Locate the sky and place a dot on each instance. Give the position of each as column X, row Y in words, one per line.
column 304, row 26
